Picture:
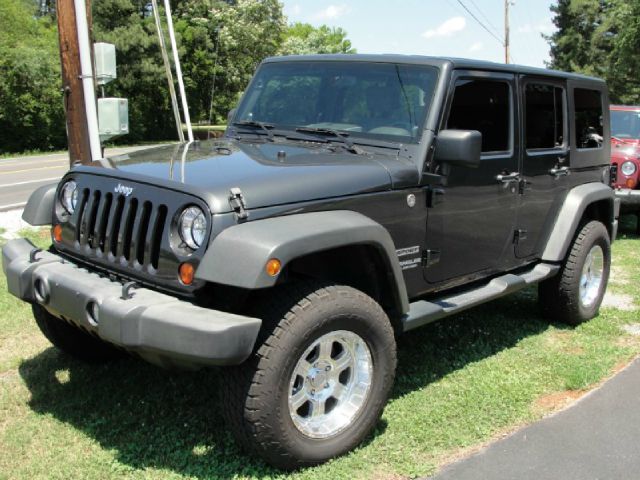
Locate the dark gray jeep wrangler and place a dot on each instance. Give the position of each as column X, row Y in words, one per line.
column 353, row 198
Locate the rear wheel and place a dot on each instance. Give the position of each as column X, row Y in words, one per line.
column 575, row 294
column 318, row 382
column 72, row 340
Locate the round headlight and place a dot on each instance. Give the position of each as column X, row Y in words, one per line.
column 193, row 227
column 628, row 168
column 69, row 196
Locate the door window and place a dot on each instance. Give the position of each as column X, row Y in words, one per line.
column 544, row 122
column 589, row 118
column 483, row 105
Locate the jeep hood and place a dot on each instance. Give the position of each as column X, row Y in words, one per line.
column 267, row 173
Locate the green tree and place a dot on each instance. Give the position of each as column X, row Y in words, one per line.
column 141, row 77
column 226, row 40
column 221, row 40
column 31, row 103
column 303, row 38
column 625, row 61
column 600, row 38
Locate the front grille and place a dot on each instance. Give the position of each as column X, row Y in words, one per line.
column 124, row 229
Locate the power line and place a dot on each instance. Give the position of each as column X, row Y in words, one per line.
column 480, row 23
column 493, row 27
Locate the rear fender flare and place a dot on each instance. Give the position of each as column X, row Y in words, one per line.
column 570, row 215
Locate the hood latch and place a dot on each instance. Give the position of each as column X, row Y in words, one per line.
column 237, row 203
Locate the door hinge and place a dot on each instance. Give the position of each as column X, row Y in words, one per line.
column 522, row 185
column 430, row 257
column 237, row 203
column 519, row 235
column 435, row 196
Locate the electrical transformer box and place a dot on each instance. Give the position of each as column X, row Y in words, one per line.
column 113, row 117
column 105, row 59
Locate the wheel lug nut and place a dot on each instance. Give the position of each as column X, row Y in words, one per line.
column 326, row 385
column 327, row 368
column 313, row 392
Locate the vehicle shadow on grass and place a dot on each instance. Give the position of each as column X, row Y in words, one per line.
column 155, row 418
column 629, row 226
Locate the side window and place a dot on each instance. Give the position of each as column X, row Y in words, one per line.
column 544, row 107
column 483, row 105
column 589, row 118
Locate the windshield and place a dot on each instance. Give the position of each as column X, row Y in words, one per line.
column 625, row 124
column 360, row 99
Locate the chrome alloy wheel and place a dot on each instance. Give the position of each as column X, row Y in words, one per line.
column 591, row 277
column 330, row 384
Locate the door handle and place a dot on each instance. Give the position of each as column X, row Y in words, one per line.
column 560, row 171
column 508, row 177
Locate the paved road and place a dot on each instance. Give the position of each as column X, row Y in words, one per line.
column 19, row 176
column 597, row 438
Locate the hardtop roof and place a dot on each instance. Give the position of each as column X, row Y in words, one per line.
column 456, row 63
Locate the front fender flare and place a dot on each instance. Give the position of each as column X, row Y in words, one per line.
column 39, row 208
column 238, row 255
column 568, row 219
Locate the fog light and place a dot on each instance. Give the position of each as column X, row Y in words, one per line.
column 57, row 233
column 93, row 313
column 187, row 272
column 273, row 267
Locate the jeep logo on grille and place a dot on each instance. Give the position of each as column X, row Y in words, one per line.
column 123, row 189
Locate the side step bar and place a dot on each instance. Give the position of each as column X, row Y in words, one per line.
column 423, row 312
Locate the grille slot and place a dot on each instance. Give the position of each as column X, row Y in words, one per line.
column 128, row 228
column 157, row 235
column 142, row 231
column 115, row 220
column 122, row 230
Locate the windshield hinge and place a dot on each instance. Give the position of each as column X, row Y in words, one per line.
column 237, row 203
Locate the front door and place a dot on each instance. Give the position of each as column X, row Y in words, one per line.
column 471, row 223
column 545, row 164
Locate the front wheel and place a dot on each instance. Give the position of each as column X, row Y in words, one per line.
column 575, row 294
column 318, row 382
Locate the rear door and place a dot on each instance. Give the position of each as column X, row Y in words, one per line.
column 545, row 161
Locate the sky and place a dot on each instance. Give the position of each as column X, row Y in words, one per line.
column 434, row 27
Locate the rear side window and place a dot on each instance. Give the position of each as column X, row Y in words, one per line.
column 544, row 107
column 589, row 118
column 483, row 105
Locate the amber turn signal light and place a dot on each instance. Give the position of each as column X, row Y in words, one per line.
column 631, row 183
column 273, row 267
column 57, row 233
column 186, row 271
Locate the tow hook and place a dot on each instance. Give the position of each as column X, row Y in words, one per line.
column 126, row 290
column 33, row 253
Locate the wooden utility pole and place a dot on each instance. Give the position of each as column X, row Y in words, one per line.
column 77, row 130
column 506, row 30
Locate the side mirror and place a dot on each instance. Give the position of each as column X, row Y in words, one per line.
column 230, row 115
column 459, row 147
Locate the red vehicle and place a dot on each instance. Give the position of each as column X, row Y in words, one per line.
column 625, row 157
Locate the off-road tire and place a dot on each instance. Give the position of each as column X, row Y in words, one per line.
column 559, row 296
column 72, row 340
column 255, row 394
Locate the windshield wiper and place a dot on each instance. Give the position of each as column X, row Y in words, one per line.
column 266, row 127
column 348, row 143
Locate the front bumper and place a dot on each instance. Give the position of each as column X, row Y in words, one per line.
column 156, row 326
column 629, row 199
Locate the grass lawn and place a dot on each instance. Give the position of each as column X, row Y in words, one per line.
column 461, row 382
